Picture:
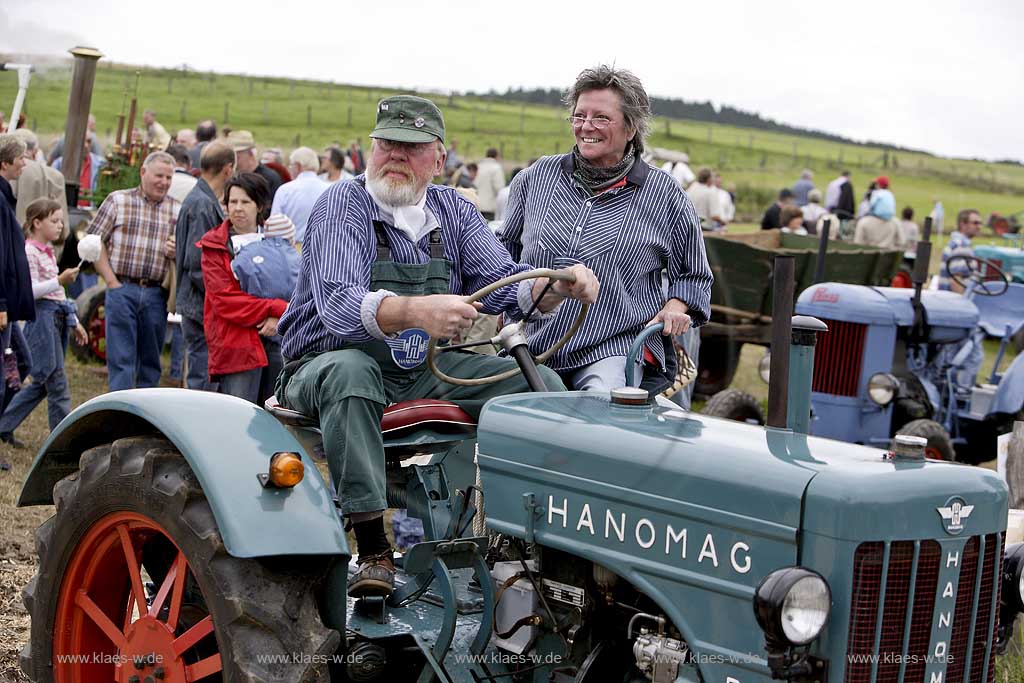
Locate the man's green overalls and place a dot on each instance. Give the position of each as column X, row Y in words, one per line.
column 348, row 389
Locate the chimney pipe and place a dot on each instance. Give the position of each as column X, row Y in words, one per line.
column 79, row 102
column 801, row 371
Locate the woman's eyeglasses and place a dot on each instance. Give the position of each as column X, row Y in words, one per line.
column 599, row 122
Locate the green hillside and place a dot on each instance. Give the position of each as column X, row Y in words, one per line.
column 287, row 113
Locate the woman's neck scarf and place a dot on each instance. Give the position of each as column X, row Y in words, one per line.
column 595, row 179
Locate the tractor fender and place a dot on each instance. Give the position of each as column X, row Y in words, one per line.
column 1009, row 396
column 227, row 442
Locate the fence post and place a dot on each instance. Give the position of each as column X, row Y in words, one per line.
column 184, row 111
column 266, row 113
column 226, row 107
column 250, row 86
column 348, row 118
column 170, row 86
column 309, row 115
column 522, row 120
column 298, row 140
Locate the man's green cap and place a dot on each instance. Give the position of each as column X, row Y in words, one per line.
column 406, row 118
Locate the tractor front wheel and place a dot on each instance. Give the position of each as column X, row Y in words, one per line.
column 135, row 584
column 939, row 446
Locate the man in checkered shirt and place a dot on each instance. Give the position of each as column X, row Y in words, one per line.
column 137, row 229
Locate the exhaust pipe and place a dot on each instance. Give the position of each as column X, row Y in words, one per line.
column 783, row 282
column 801, row 371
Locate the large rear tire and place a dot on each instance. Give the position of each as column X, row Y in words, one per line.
column 939, row 446
column 134, row 513
column 733, row 404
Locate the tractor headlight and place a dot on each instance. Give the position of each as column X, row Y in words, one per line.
column 792, row 605
column 764, row 367
column 1013, row 577
column 882, row 388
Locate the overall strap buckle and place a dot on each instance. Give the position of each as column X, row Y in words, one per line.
column 383, row 244
column 436, row 244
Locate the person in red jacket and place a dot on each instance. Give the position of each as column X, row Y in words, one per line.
column 241, row 329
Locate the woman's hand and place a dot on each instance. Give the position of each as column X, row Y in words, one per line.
column 67, row 277
column 268, row 328
column 81, row 336
column 585, row 288
column 675, row 317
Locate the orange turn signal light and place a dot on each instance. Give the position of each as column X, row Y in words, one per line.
column 286, row 470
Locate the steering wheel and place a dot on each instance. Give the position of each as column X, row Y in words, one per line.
column 433, row 349
column 976, row 277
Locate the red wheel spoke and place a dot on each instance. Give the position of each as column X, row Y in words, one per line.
column 203, row 668
column 93, row 611
column 178, row 595
column 129, row 611
column 170, row 581
column 193, row 636
column 133, row 567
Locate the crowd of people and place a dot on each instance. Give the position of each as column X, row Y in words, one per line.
column 803, row 209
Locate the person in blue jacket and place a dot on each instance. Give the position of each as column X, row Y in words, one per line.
column 16, row 300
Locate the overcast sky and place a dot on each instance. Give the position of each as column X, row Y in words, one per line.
column 943, row 76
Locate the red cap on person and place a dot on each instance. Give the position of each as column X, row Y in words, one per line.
column 883, row 181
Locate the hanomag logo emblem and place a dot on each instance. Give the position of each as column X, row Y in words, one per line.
column 954, row 513
column 823, row 295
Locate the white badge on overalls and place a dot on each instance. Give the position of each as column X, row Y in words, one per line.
column 409, row 347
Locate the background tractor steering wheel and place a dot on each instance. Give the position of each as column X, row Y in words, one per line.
column 433, row 349
column 979, row 279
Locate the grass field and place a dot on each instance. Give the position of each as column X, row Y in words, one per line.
column 288, row 113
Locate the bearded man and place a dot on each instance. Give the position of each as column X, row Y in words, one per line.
column 385, row 254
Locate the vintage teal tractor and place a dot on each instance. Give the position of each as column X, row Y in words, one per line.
column 616, row 540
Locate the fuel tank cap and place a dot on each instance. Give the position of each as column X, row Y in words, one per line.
column 630, row 396
column 908, row 447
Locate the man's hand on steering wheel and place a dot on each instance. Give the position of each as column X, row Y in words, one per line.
column 443, row 316
column 584, row 287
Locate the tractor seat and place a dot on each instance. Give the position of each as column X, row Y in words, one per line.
column 400, row 419
column 1001, row 313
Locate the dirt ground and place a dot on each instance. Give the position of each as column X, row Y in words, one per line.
column 18, row 525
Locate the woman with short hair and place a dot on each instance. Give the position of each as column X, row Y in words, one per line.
column 241, row 329
column 602, row 205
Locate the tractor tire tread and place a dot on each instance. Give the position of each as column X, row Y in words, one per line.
column 260, row 606
column 733, row 404
column 936, row 434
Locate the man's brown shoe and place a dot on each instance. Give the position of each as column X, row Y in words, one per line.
column 375, row 577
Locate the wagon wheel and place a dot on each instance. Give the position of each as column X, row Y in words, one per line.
column 91, row 305
column 134, row 583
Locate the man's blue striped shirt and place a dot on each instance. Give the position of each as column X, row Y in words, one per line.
column 627, row 236
column 340, row 248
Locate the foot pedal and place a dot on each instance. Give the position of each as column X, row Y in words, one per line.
column 374, row 607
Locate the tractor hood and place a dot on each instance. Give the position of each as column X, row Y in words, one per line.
column 886, row 306
column 574, row 448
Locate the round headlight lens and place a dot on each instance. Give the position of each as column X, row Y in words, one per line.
column 882, row 388
column 1020, row 588
column 792, row 605
column 805, row 610
column 764, row 367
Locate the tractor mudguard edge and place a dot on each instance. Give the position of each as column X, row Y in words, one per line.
column 226, row 441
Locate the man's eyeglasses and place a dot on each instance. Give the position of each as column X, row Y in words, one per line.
column 978, row 222
column 599, row 122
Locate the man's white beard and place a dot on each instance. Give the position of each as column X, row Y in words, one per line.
column 393, row 192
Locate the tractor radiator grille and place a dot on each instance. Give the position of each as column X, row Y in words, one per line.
column 892, row 611
column 838, row 358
